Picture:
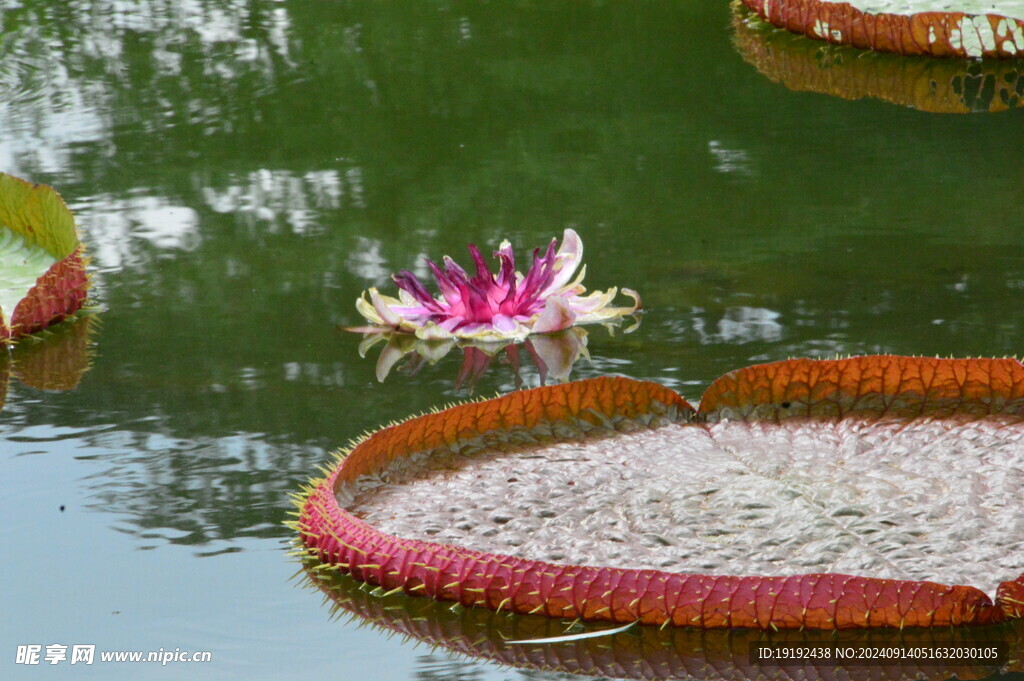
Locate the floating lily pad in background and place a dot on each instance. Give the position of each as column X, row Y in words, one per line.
column 804, row 494
column 933, row 85
column 671, row 653
column 937, row 28
column 42, row 270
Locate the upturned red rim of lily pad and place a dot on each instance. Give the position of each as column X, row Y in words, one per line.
column 890, row 387
column 651, row 653
column 37, row 214
column 961, row 28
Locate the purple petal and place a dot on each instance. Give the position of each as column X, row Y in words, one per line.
column 539, row 276
column 483, row 276
column 457, row 276
column 503, row 323
column 484, row 281
column 507, row 282
column 451, row 323
column 408, row 282
column 478, row 304
column 474, row 304
column 507, row 273
column 454, row 270
column 444, row 283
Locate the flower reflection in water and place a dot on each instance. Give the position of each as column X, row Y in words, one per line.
column 553, row 354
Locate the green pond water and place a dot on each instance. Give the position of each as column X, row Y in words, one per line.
column 241, row 171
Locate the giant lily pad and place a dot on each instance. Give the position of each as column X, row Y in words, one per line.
column 856, row 493
column 932, row 85
column 946, row 28
column 42, row 270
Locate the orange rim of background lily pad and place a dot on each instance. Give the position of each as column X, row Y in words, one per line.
column 942, row 32
column 948, row 86
column 870, row 386
column 39, row 215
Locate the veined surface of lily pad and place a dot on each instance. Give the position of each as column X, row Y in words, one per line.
column 937, row 28
column 888, row 500
column 953, row 86
column 804, row 494
column 42, row 269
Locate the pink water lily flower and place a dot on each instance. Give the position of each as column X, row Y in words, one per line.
column 503, row 306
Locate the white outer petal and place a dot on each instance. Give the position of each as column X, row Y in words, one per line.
column 567, row 259
column 365, row 308
column 381, row 305
column 637, row 303
column 576, row 287
column 596, row 307
column 592, row 303
column 556, row 316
